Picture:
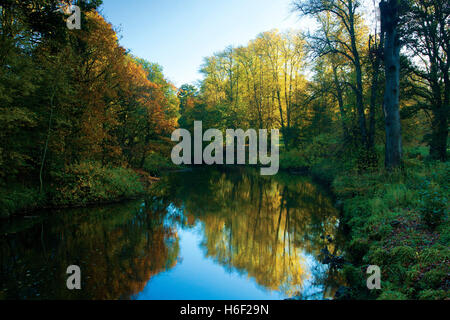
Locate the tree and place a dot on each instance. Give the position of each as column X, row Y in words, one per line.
column 389, row 26
column 259, row 85
column 375, row 56
column 186, row 94
column 347, row 45
column 427, row 35
column 74, row 96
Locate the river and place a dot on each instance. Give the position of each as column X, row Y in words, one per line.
column 206, row 234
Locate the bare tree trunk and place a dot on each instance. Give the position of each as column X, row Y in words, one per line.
column 390, row 14
column 340, row 99
column 49, row 130
column 440, row 109
column 359, row 79
column 376, row 66
column 438, row 144
column 440, row 133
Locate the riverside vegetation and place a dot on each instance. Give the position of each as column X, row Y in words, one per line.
column 360, row 107
column 397, row 220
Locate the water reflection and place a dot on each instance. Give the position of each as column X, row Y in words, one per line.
column 206, row 234
column 263, row 227
column 118, row 248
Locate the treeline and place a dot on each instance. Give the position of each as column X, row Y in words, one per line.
column 71, row 97
column 332, row 83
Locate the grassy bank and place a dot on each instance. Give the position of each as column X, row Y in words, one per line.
column 398, row 221
column 78, row 185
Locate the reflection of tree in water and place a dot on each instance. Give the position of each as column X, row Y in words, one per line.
column 118, row 248
column 260, row 226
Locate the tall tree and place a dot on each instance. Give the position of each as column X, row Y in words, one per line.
column 427, row 34
column 346, row 12
column 389, row 26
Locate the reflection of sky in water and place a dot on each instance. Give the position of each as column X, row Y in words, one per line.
column 196, row 277
column 312, row 290
column 223, row 257
column 263, row 245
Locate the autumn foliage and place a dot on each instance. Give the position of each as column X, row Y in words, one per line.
column 75, row 96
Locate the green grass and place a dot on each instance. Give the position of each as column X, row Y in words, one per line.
column 399, row 221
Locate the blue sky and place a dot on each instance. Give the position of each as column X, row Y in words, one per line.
column 179, row 34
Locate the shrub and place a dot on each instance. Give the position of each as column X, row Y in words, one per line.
column 414, row 152
column 89, row 182
column 432, row 207
column 404, row 255
column 434, row 278
column 354, row 276
column 18, row 199
column 319, row 152
column 379, row 257
column 434, row 255
column 322, row 147
column 155, row 164
column 292, row 159
column 357, row 249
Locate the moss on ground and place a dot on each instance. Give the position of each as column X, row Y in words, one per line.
column 398, row 221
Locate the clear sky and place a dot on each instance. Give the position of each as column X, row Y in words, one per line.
column 178, row 34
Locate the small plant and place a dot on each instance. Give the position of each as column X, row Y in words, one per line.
column 432, row 207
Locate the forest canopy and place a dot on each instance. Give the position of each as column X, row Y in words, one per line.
column 71, row 96
column 338, row 80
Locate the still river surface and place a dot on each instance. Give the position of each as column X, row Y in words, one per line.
column 203, row 234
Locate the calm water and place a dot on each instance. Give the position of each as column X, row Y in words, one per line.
column 204, row 234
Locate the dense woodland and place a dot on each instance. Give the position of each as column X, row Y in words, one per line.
column 362, row 102
column 74, row 102
column 333, row 81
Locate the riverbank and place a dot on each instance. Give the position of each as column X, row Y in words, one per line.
column 80, row 185
column 398, row 221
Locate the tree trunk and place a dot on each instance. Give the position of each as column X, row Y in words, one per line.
column 44, row 155
column 389, row 14
column 359, row 80
column 360, row 105
column 438, row 145
column 340, row 99
column 376, row 66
